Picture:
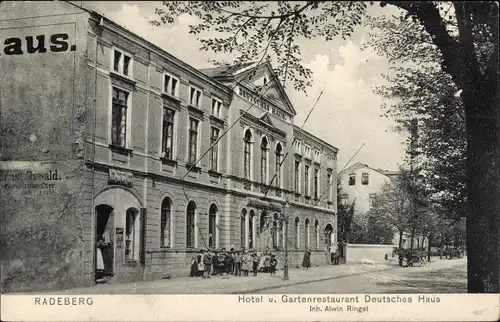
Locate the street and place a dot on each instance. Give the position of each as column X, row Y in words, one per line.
column 445, row 276
column 440, row 276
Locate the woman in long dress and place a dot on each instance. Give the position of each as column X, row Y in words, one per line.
column 306, row 262
column 100, row 269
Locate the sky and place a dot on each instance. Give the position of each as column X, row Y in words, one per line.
column 348, row 113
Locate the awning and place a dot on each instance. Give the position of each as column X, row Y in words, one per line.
column 265, row 205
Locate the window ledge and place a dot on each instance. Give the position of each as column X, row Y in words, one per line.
column 297, row 194
column 193, row 167
column 168, row 161
column 123, row 77
column 214, row 173
column 216, row 118
column 171, row 97
column 196, row 109
column 120, row 149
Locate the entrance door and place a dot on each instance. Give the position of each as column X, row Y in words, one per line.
column 104, row 242
column 329, row 242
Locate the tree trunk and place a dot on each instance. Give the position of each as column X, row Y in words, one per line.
column 400, row 258
column 429, row 248
column 483, row 191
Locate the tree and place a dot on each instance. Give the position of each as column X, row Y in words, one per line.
column 391, row 207
column 468, row 54
column 345, row 214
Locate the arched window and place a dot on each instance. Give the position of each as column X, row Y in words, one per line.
column 213, row 235
column 191, row 225
column 306, row 234
column 248, row 154
column 297, row 233
column 165, row 222
column 316, row 230
column 279, row 156
column 242, row 228
column 263, row 160
column 250, row 229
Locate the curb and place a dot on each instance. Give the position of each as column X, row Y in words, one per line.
column 308, row 281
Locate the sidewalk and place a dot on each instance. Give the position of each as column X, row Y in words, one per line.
column 229, row 284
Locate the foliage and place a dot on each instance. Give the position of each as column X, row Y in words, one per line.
column 419, row 90
column 345, row 214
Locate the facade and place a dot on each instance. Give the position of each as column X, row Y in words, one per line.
column 359, row 184
column 127, row 144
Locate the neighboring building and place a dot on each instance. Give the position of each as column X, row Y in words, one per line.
column 359, row 184
column 103, row 142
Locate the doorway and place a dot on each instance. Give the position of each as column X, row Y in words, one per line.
column 104, row 243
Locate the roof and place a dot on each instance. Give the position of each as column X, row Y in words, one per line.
column 224, row 70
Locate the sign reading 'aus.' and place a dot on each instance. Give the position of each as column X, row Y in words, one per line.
column 40, row 44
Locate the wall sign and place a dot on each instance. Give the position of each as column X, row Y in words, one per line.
column 120, row 178
column 37, row 44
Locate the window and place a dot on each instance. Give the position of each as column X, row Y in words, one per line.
column 297, row 176
column 248, row 154
column 212, row 227
column 263, row 160
column 371, row 198
column 364, row 179
column 352, row 179
column 298, row 147
column 195, row 97
column 243, row 228
column 193, row 140
column 317, row 155
column 119, row 117
column 250, row 229
column 344, row 198
column 306, row 234
column 297, row 233
column 131, row 235
column 190, row 224
column 306, row 180
column 214, row 152
column 265, row 81
column 122, row 63
column 165, row 223
column 316, row 184
column 307, row 151
column 170, row 85
column 316, row 230
column 278, row 164
column 168, row 133
column 216, row 107
column 329, row 185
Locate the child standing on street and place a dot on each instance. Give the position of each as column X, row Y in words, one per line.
column 272, row 265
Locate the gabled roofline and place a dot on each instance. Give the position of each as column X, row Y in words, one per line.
column 281, row 89
column 96, row 15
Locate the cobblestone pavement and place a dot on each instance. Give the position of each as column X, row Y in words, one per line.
column 343, row 279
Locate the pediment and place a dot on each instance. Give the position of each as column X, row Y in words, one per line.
column 266, row 119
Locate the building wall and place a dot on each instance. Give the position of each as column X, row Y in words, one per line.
column 44, row 190
column 68, row 128
column 359, row 193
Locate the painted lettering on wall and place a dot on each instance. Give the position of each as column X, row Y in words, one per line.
column 30, row 183
column 38, row 44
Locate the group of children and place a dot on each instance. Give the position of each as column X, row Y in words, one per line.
column 209, row 263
